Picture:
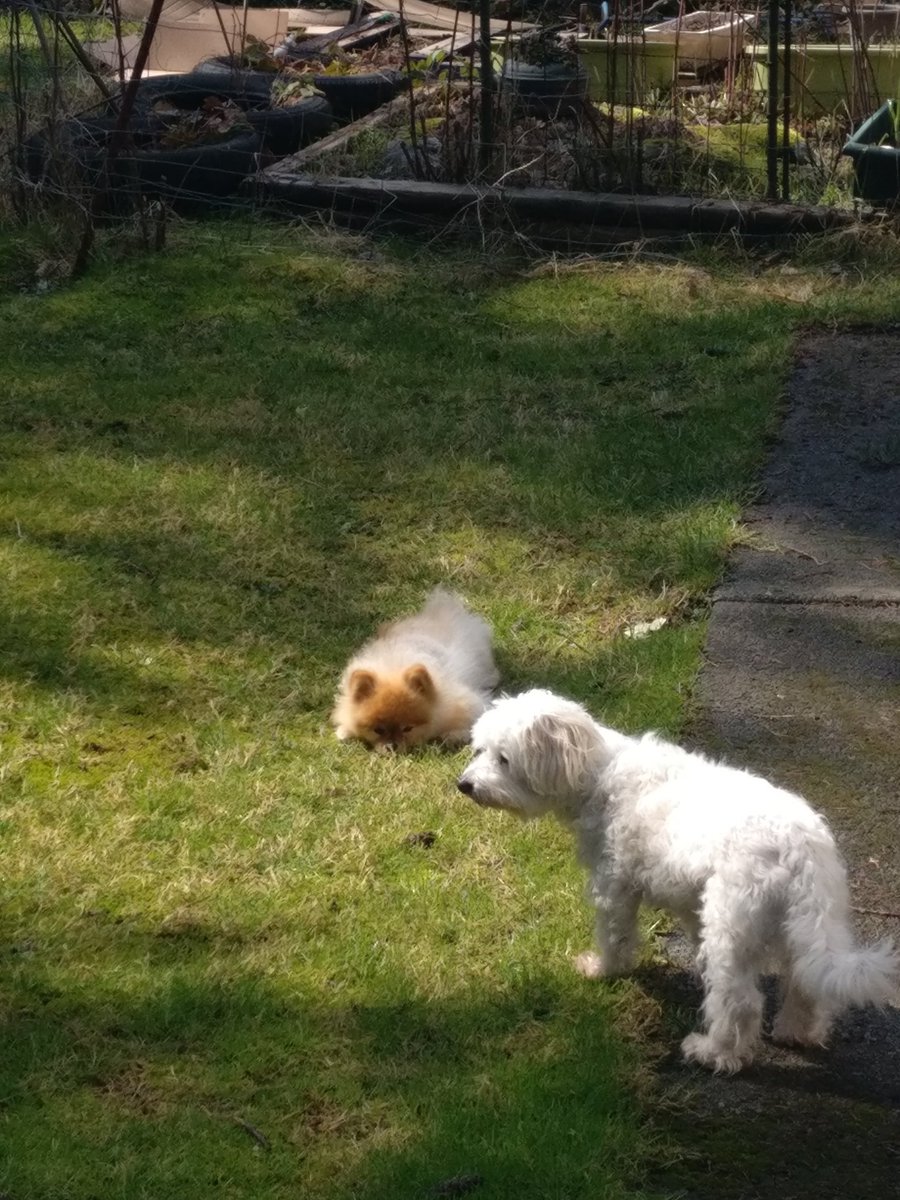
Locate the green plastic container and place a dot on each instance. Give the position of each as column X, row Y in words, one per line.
column 627, row 70
column 825, row 78
column 876, row 166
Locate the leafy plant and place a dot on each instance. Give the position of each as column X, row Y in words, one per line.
column 426, row 68
column 256, row 56
column 341, row 64
column 544, row 47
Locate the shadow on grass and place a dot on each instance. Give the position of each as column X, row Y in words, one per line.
column 206, row 1080
column 236, row 1084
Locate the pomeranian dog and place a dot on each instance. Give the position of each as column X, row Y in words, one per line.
column 423, row 678
column 750, row 870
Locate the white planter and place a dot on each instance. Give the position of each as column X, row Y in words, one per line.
column 704, row 36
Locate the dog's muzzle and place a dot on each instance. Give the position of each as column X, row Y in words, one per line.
column 468, row 789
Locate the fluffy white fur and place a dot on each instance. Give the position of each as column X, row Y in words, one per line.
column 750, row 870
column 454, row 645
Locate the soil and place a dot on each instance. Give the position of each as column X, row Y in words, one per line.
column 801, row 682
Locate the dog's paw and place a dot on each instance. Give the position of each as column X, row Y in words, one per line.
column 589, row 964
column 701, row 1049
column 788, row 1032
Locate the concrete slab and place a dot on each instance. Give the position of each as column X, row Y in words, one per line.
column 827, row 526
column 802, row 671
column 801, row 682
column 808, row 559
column 810, row 695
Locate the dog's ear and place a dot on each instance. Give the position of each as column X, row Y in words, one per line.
column 561, row 750
column 418, row 680
column 361, row 685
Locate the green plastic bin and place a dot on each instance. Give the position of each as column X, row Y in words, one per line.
column 627, row 70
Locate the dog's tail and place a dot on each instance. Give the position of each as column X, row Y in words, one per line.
column 825, row 961
column 444, row 603
column 467, row 639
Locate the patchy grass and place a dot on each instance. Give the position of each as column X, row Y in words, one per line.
column 226, row 966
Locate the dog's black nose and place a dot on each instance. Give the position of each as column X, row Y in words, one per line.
column 465, row 787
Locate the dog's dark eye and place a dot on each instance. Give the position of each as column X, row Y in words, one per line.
column 407, row 729
column 379, row 730
column 502, row 760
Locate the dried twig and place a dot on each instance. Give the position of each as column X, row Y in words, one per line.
column 254, row 1132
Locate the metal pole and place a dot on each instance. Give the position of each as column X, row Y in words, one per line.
column 486, row 144
column 772, row 136
column 786, row 131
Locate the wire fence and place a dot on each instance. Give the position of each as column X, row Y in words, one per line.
column 606, row 100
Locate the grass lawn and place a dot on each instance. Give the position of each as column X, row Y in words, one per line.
column 225, row 967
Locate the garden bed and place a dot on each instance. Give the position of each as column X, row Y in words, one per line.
column 433, row 136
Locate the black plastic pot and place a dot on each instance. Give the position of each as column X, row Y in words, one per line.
column 548, row 89
column 354, row 96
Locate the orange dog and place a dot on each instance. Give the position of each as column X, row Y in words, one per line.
column 423, row 678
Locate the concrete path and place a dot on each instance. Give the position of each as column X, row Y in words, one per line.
column 802, row 683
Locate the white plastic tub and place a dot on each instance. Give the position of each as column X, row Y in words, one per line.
column 704, row 36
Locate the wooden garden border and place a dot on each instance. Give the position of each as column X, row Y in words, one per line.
column 375, row 199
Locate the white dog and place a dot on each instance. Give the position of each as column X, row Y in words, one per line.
column 750, row 870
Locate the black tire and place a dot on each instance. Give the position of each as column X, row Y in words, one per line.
column 190, row 90
column 284, row 130
column 244, row 77
column 546, row 90
column 73, row 151
column 192, row 175
column 354, row 96
column 196, row 173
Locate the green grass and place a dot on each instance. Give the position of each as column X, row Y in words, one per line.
column 221, row 468
column 29, row 65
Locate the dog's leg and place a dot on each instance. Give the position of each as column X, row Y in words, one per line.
column 616, row 933
column 732, row 1014
column 730, row 959
column 801, row 1021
